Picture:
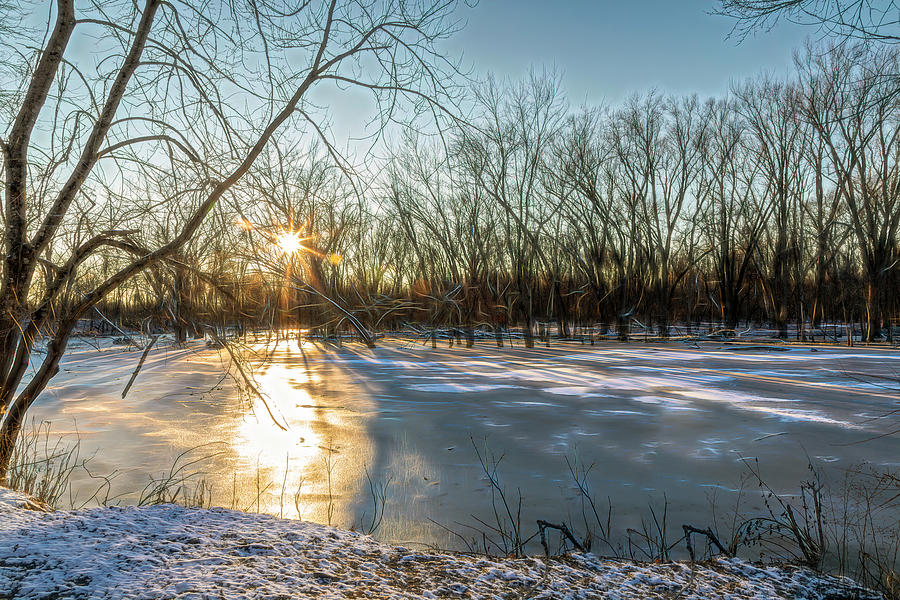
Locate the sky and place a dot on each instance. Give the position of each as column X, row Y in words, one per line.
column 605, row 50
column 609, row 49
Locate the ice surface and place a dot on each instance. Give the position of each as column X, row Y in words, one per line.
column 643, row 415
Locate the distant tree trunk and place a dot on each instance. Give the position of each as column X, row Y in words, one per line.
column 562, row 310
column 180, row 302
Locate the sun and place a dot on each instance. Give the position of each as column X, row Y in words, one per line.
column 289, row 242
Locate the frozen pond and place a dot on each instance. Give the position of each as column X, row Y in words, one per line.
column 652, row 419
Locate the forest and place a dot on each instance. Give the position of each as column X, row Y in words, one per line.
column 778, row 204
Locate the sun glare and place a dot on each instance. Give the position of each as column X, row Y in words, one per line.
column 288, row 242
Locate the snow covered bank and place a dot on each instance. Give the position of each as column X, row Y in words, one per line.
column 173, row 552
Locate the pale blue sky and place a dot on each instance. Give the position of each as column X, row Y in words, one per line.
column 608, row 49
column 604, row 49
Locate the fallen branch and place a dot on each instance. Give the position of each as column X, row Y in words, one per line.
column 689, row 529
column 117, row 328
column 543, row 525
column 140, row 364
column 237, row 363
column 367, row 337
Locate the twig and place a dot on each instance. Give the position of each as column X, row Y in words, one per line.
column 140, row 364
column 689, row 529
column 543, row 525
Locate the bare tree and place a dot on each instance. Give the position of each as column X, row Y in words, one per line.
column 735, row 215
column 584, row 191
column 871, row 20
column 505, row 156
column 776, row 142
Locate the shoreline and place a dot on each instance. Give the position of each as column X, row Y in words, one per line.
column 168, row 551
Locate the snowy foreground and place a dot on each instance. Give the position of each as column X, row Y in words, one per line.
column 173, row 552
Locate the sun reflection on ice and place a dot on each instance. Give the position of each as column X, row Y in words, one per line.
column 260, row 440
column 313, row 469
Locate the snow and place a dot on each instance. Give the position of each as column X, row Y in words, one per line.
column 168, row 551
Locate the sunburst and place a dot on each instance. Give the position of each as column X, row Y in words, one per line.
column 289, row 242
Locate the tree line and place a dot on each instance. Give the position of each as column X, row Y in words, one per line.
column 778, row 204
